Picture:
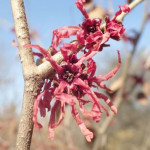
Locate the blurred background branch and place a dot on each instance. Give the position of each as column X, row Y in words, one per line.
column 119, row 98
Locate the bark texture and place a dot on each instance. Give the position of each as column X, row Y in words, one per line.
column 32, row 80
column 31, row 89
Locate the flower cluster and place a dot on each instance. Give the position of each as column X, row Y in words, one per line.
column 75, row 82
column 89, row 34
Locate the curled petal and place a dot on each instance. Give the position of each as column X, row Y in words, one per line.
column 86, row 57
column 108, row 101
column 93, row 97
column 47, row 84
column 80, row 37
column 56, row 106
column 60, row 33
column 89, row 92
column 35, row 111
column 115, row 27
column 105, row 38
column 47, row 96
column 47, row 99
column 51, row 133
column 87, row 133
column 82, row 109
column 42, row 109
column 52, row 119
column 103, row 86
column 62, row 115
column 65, row 98
column 95, row 41
column 60, row 88
column 125, row 8
column 91, row 68
column 79, row 4
column 68, row 47
column 96, row 113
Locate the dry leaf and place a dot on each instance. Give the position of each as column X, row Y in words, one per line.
column 147, row 64
column 88, row 4
column 146, row 89
column 129, row 1
column 116, row 84
column 97, row 12
column 142, row 99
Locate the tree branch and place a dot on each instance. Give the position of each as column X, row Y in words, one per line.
column 22, row 33
column 132, row 6
column 33, row 81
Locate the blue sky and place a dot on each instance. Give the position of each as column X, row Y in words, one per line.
column 45, row 16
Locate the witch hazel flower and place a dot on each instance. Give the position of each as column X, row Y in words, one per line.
column 88, row 34
column 74, row 79
column 62, row 33
column 115, row 27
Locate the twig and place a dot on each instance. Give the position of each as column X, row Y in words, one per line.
column 119, row 98
column 122, row 15
column 132, row 6
column 146, row 138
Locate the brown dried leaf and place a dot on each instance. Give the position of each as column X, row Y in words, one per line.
column 129, row 1
column 116, row 84
column 146, row 89
column 97, row 12
column 147, row 64
column 142, row 99
column 88, row 4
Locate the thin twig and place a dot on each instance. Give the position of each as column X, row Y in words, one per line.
column 146, row 138
column 122, row 15
column 132, row 6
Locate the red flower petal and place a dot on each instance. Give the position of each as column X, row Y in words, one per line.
column 35, row 111
column 52, row 119
column 60, row 88
column 65, row 98
column 125, row 8
column 79, row 4
column 52, row 124
column 108, row 101
column 87, row 133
